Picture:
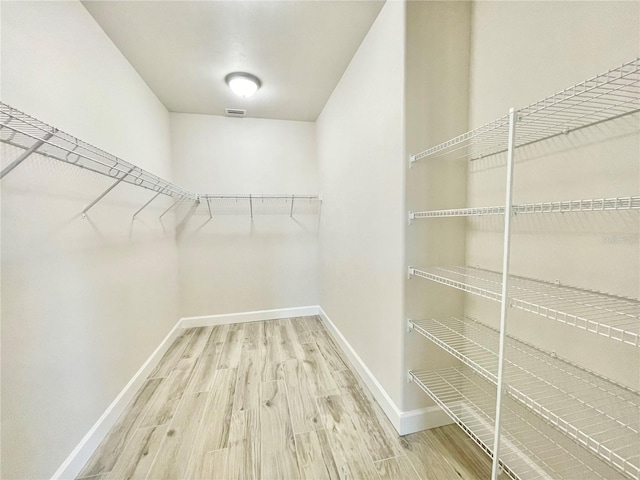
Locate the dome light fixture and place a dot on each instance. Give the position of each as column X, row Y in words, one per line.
column 243, row 84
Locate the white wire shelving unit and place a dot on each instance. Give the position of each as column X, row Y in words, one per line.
column 567, row 206
column 604, row 97
column 608, row 315
column 565, row 395
column 530, row 449
column 32, row 136
column 276, row 204
column 510, row 396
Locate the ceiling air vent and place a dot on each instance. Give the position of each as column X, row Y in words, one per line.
column 235, row 112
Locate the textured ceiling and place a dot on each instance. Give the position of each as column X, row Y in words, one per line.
column 184, row 49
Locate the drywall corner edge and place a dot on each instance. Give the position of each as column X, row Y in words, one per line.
column 404, row 422
column 76, row 460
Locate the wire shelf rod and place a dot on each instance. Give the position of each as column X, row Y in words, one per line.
column 600, row 414
column 608, row 315
column 607, row 96
column 565, row 206
column 531, row 449
column 76, row 152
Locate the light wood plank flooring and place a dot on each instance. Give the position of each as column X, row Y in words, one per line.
column 269, row 400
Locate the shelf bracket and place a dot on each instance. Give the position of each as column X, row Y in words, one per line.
column 409, row 377
column 410, row 325
column 412, row 217
column 251, row 206
column 103, row 194
column 209, row 207
column 412, row 158
column 410, row 272
column 293, row 197
column 146, row 204
column 25, row 154
column 171, row 207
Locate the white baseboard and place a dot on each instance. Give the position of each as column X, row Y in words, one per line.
column 74, row 463
column 243, row 317
column 404, row 422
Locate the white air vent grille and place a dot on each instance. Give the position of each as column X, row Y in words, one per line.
column 235, row 112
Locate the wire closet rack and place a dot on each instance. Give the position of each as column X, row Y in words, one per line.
column 537, row 415
column 602, row 98
column 31, row 135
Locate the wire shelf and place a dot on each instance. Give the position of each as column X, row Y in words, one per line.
column 28, row 133
column 530, row 448
column 600, row 415
column 260, row 204
column 604, row 97
column 611, row 316
column 590, row 205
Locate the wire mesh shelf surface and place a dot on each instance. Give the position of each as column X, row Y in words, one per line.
column 590, row 205
column 23, row 131
column 601, row 415
column 611, row 316
column 260, row 204
column 530, row 448
column 604, row 97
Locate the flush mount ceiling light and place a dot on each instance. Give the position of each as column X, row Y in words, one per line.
column 243, row 84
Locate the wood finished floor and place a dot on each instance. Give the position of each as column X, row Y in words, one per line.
column 269, row 400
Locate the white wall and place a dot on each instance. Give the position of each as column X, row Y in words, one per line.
column 231, row 263
column 84, row 302
column 522, row 52
column 437, row 85
column 361, row 158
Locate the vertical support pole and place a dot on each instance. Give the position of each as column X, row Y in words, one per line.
column 209, row 206
column 293, row 197
column 504, row 305
column 24, row 155
column 251, row 206
column 103, row 194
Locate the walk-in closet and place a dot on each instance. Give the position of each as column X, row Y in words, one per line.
column 320, row 240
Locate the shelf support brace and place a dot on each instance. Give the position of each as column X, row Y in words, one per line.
column 24, row 155
column 293, row 197
column 168, row 209
column 147, row 204
column 209, row 207
column 103, row 194
column 251, row 206
column 504, row 305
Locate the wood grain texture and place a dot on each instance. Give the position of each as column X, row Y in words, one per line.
column 315, row 457
column 173, row 457
column 230, row 356
column 141, row 451
column 172, row 355
column 113, row 445
column 247, row 392
column 205, row 370
column 378, row 443
column 289, row 408
column 166, row 398
column 210, row 466
column 396, row 468
column 217, row 415
column 303, row 410
column 278, row 459
column 244, row 452
column 349, row 452
column 320, row 379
